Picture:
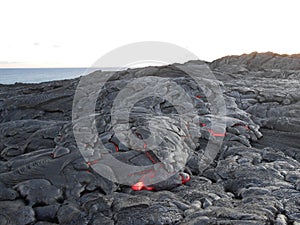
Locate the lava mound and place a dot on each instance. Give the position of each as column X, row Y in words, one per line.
column 155, row 145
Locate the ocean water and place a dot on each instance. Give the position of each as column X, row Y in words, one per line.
column 37, row 75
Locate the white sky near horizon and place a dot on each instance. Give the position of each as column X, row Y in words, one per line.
column 65, row 33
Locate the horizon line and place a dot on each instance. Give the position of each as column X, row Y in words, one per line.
column 32, row 65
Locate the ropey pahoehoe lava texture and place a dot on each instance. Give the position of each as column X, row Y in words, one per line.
column 254, row 179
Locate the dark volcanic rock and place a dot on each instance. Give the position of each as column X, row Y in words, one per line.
column 254, row 178
column 15, row 213
column 39, row 191
column 47, row 213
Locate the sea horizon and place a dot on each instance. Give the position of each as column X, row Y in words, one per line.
column 38, row 75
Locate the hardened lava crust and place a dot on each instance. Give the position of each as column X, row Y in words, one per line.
column 254, row 179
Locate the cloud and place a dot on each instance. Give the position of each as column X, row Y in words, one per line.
column 7, row 62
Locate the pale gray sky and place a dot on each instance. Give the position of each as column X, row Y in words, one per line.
column 45, row 33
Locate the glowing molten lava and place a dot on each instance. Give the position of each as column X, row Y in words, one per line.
column 185, row 178
column 216, row 134
column 115, row 144
column 141, row 186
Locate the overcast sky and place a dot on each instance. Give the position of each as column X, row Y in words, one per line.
column 43, row 33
